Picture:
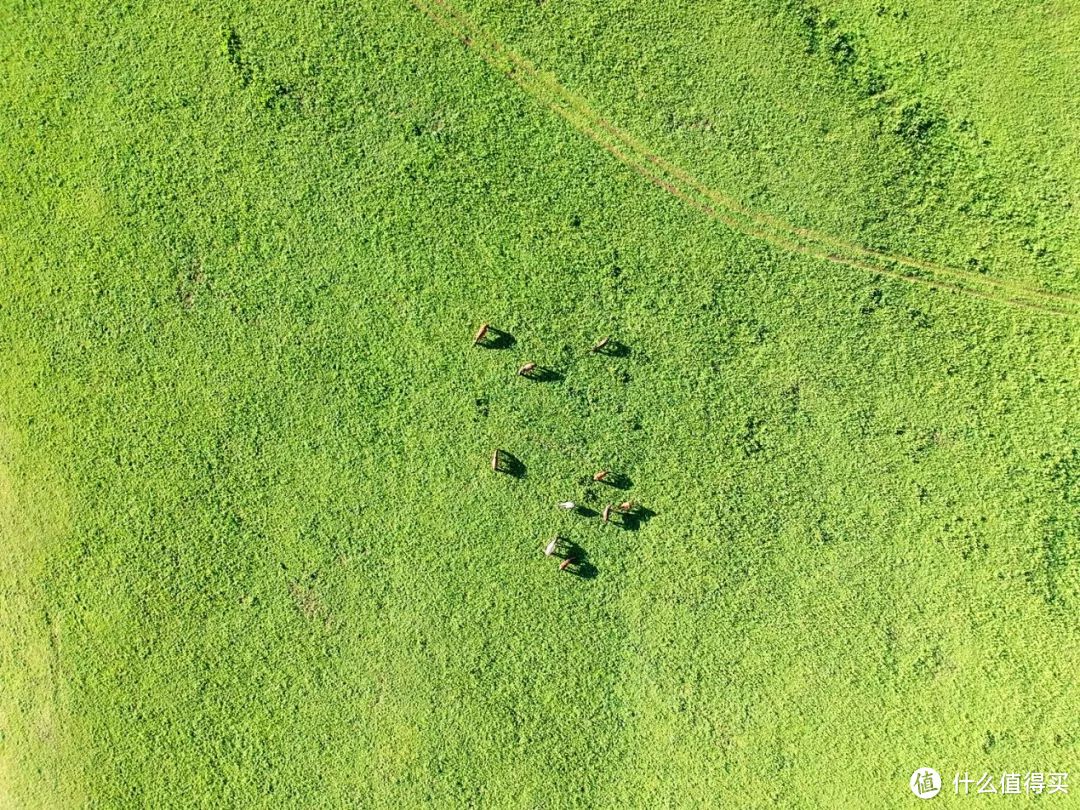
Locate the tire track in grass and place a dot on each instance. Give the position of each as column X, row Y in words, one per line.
column 596, row 135
column 1010, row 292
column 784, row 227
column 679, row 183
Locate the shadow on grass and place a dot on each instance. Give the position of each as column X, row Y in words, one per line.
column 510, row 465
column 543, row 374
column 616, row 480
column 585, row 570
column 496, row 339
column 579, row 565
column 634, row 519
column 614, row 348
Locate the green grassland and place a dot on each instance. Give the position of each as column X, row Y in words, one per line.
column 251, row 552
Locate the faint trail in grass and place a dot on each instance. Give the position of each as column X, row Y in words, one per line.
column 679, row 183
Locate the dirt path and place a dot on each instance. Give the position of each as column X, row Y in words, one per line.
column 680, row 183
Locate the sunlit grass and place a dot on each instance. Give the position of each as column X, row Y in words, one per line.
column 253, row 551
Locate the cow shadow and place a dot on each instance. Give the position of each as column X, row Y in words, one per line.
column 510, row 465
column 542, row 374
column 614, row 348
column 497, row 339
column 579, row 566
column 634, row 519
column 616, row 480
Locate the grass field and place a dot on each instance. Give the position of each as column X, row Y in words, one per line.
column 251, row 550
